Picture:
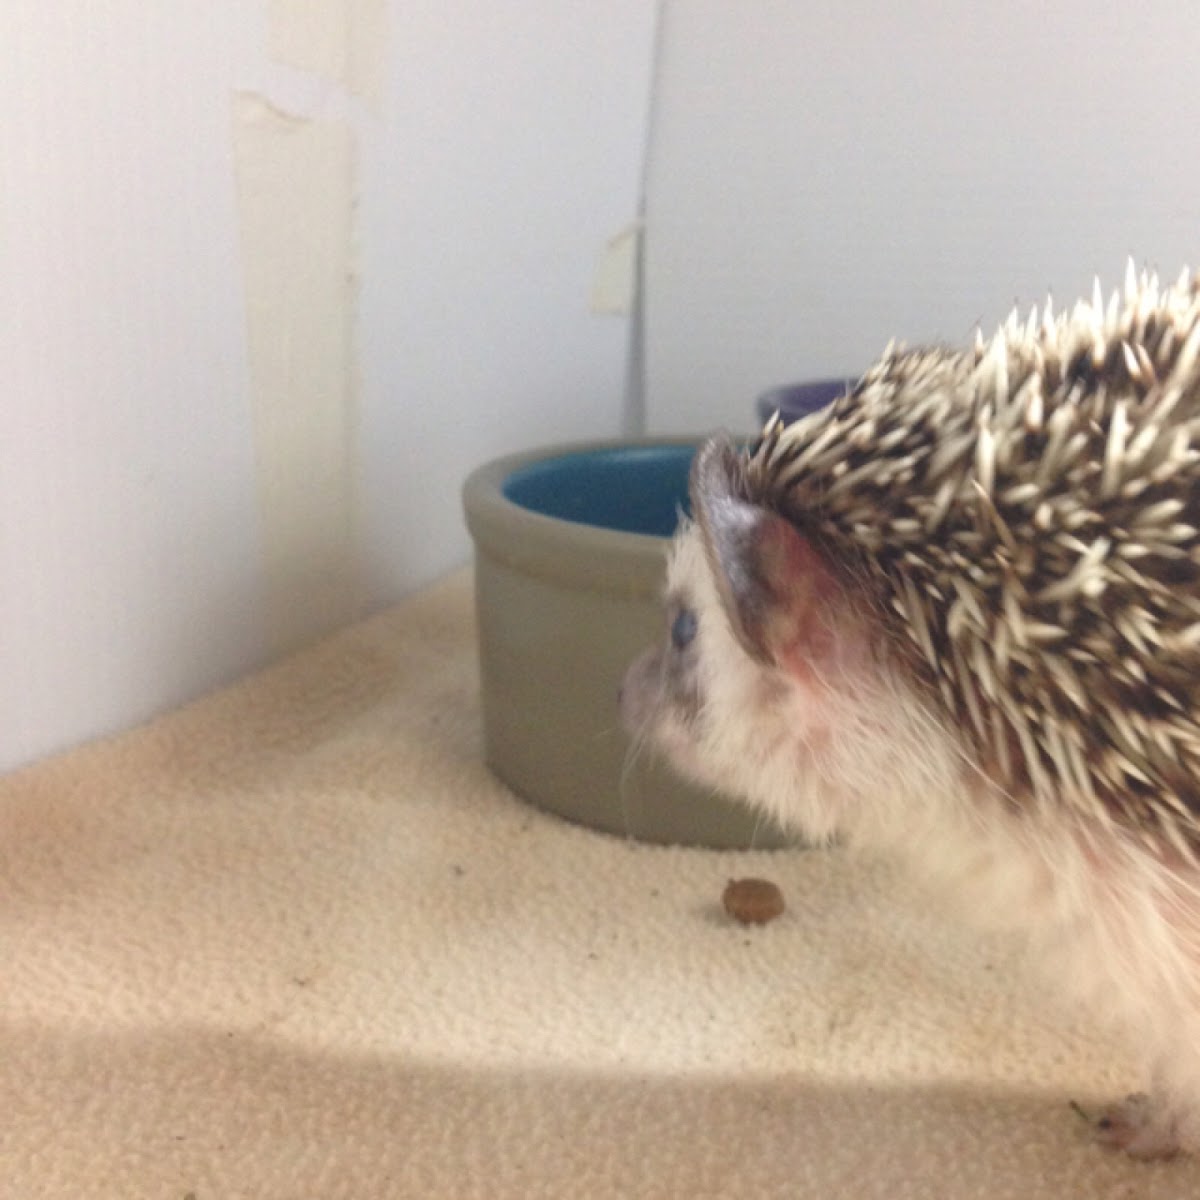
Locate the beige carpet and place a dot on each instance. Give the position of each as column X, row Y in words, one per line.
column 295, row 942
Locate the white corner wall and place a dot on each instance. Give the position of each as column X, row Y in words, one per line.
column 273, row 277
column 823, row 177
column 509, row 149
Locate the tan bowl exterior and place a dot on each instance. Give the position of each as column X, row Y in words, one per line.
column 563, row 608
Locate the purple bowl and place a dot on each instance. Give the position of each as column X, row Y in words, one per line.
column 796, row 400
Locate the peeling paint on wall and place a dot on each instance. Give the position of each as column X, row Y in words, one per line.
column 295, row 200
column 342, row 40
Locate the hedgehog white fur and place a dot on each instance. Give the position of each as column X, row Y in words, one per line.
column 957, row 615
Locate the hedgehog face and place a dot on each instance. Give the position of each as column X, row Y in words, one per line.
column 769, row 683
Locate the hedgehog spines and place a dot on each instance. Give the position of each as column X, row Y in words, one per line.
column 1028, row 514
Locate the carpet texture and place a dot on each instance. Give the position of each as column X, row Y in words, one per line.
column 294, row 941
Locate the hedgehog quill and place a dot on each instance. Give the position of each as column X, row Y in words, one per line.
column 956, row 616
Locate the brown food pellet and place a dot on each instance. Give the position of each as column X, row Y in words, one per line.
column 752, row 901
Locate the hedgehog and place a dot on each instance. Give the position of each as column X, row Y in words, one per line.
column 955, row 617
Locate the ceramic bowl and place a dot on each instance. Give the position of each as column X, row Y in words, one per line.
column 796, row 400
column 570, row 557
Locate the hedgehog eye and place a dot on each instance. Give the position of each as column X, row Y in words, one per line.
column 683, row 629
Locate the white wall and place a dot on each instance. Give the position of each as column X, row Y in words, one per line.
column 272, row 278
column 130, row 547
column 825, row 176
column 510, row 149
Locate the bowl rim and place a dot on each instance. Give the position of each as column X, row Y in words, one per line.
column 577, row 553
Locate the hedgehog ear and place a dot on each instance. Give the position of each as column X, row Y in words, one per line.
column 773, row 583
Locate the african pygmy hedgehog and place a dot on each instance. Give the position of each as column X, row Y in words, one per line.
column 957, row 615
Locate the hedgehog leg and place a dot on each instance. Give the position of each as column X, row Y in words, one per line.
column 1140, row 1127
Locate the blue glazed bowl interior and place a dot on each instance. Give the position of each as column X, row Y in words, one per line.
column 635, row 489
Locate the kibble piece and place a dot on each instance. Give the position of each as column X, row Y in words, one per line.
column 752, row 901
